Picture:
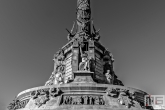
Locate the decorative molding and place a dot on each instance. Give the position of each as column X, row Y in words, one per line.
column 42, row 96
column 16, row 104
column 124, row 97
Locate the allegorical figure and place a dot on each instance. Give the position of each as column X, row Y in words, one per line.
column 58, row 72
column 92, row 64
column 84, row 65
column 108, row 67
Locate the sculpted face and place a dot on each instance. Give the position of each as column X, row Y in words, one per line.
column 84, row 59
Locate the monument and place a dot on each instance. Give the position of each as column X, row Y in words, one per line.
column 83, row 75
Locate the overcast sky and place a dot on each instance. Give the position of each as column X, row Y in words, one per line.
column 31, row 31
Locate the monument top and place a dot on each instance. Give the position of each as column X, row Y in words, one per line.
column 83, row 76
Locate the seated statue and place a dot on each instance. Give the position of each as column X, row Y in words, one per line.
column 59, row 75
column 58, row 78
column 84, row 65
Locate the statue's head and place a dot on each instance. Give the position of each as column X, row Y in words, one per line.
column 84, row 57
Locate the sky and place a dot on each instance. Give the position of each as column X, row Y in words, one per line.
column 31, row 31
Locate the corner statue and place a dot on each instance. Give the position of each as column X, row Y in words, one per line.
column 108, row 66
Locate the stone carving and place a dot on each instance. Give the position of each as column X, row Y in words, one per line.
column 70, row 33
column 112, row 92
column 59, row 75
column 16, row 104
column 83, row 15
column 95, row 34
column 84, row 79
column 92, row 64
column 42, row 96
column 82, row 100
column 59, row 69
column 109, row 77
column 54, row 92
column 108, row 66
column 51, row 79
column 124, row 97
column 84, row 65
column 13, row 105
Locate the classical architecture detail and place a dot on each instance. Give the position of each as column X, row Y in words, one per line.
column 83, row 16
column 59, row 69
column 95, row 34
column 108, row 66
column 54, row 92
column 124, row 97
column 84, row 65
column 70, row 33
column 83, row 76
column 82, row 100
column 16, row 104
column 42, row 96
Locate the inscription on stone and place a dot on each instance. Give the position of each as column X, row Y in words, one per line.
column 82, row 100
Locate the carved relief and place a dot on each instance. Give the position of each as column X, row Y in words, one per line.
column 108, row 66
column 42, row 96
column 82, row 100
column 83, row 15
column 59, row 69
column 42, row 99
column 124, row 97
column 16, row 104
column 54, row 92
column 84, row 64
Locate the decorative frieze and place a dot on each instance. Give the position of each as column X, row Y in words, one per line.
column 42, row 96
column 16, row 104
column 124, row 97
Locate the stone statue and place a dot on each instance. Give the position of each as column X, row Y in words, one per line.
column 109, row 77
column 58, row 78
column 59, row 75
column 108, row 66
column 58, row 72
column 92, row 64
column 84, row 65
